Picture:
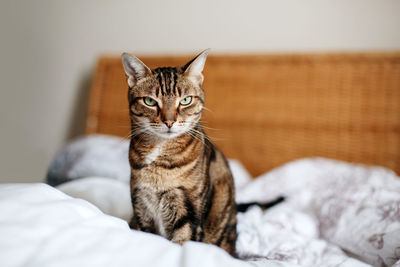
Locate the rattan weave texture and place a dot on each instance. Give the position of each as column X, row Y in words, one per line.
column 269, row 109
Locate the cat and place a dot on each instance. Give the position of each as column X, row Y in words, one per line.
column 181, row 184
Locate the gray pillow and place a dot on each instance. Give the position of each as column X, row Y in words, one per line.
column 93, row 155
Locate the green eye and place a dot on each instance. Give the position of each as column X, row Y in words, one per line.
column 150, row 101
column 186, row 101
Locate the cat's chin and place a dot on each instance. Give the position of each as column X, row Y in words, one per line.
column 169, row 135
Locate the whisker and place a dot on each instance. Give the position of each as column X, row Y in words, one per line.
column 210, row 128
column 198, row 134
column 195, row 137
column 204, row 122
column 207, row 109
column 211, row 138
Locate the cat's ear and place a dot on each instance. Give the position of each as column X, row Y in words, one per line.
column 194, row 68
column 134, row 69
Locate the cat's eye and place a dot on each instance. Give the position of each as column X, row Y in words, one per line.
column 150, row 101
column 186, row 101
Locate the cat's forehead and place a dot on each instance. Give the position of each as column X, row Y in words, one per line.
column 168, row 79
column 168, row 70
column 165, row 82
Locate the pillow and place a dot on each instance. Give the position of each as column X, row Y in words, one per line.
column 93, row 155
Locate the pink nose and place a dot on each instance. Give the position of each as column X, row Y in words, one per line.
column 169, row 123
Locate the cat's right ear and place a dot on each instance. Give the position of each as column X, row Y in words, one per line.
column 194, row 68
column 134, row 69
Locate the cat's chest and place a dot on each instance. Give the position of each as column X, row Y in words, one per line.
column 163, row 168
column 153, row 154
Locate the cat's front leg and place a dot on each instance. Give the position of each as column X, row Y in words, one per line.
column 140, row 220
column 182, row 234
column 133, row 224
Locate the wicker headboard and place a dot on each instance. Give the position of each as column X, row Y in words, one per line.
column 270, row 109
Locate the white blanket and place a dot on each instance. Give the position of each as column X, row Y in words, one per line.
column 41, row 226
column 331, row 207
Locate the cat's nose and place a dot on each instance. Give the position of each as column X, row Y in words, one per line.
column 169, row 123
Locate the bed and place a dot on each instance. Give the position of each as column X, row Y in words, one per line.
column 321, row 129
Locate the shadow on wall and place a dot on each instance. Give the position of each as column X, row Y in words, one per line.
column 77, row 122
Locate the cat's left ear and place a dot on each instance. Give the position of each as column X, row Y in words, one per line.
column 194, row 68
column 134, row 68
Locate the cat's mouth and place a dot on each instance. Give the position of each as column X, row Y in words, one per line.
column 169, row 133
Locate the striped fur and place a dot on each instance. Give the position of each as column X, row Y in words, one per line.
column 181, row 185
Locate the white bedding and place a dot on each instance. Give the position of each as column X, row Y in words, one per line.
column 331, row 208
column 355, row 207
column 41, row 226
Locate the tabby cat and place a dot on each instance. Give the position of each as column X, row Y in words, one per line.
column 181, row 185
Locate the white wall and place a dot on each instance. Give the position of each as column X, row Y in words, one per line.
column 49, row 48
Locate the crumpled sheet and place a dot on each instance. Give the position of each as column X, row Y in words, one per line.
column 41, row 226
column 355, row 207
column 332, row 210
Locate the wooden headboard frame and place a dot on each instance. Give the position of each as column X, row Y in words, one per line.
column 267, row 110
